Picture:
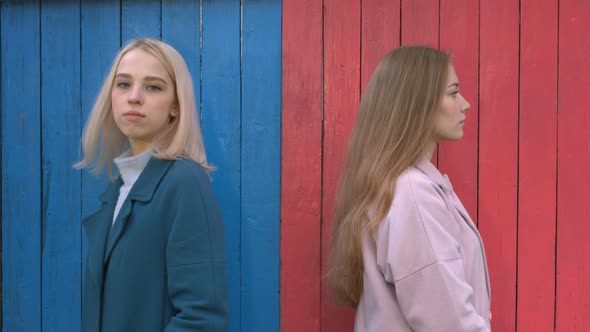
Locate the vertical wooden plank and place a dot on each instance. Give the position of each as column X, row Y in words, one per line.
column 461, row 37
column 181, row 28
column 21, row 167
column 140, row 19
column 420, row 22
column 60, row 130
column 380, row 33
column 1, row 170
column 221, row 119
column 342, row 43
column 573, row 210
column 301, row 165
column 498, row 153
column 261, row 164
column 420, row 26
column 537, row 165
column 100, row 36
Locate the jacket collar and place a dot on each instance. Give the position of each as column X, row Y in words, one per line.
column 432, row 172
column 443, row 181
column 111, row 192
column 97, row 228
column 143, row 190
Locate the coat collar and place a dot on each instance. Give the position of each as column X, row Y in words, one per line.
column 111, row 192
column 433, row 173
column 97, row 228
column 143, row 190
column 443, row 181
column 102, row 239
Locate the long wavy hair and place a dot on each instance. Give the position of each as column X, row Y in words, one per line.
column 393, row 125
column 102, row 140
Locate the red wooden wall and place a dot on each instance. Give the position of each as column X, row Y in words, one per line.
column 522, row 169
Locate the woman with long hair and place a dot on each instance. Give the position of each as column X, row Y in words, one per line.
column 404, row 251
column 156, row 257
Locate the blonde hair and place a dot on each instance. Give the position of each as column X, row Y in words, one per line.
column 102, row 140
column 393, row 125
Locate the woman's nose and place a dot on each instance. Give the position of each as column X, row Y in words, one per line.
column 135, row 95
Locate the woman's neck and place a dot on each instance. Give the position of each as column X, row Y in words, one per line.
column 137, row 147
column 429, row 150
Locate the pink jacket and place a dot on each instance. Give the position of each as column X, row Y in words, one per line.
column 425, row 267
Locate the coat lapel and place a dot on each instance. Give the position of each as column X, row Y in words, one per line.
column 97, row 228
column 443, row 181
column 143, row 190
column 463, row 212
column 117, row 229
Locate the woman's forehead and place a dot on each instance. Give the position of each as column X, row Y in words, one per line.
column 140, row 63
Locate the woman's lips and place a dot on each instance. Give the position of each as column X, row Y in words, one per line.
column 134, row 116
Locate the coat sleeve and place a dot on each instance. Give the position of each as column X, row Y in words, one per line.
column 195, row 260
column 419, row 255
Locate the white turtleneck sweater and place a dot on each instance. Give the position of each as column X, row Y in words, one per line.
column 130, row 167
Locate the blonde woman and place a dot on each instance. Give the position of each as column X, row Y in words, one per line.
column 155, row 247
column 404, row 252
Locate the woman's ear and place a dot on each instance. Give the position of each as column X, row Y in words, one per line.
column 174, row 111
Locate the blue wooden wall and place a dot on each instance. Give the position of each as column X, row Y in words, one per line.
column 54, row 56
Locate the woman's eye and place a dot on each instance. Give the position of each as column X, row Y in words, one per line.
column 123, row 85
column 454, row 93
column 153, row 88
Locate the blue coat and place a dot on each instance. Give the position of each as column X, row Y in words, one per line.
column 162, row 266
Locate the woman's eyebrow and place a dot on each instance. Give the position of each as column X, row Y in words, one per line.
column 146, row 78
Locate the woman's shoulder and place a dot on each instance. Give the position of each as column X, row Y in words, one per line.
column 186, row 180
column 184, row 176
column 187, row 171
column 415, row 189
column 413, row 179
